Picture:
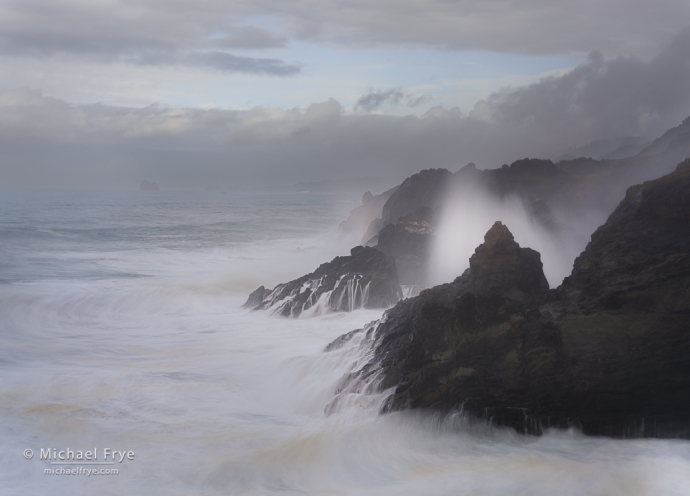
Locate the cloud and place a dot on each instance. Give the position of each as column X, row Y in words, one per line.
column 116, row 29
column 624, row 96
column 49, row 140
column 221, row 61
column 144, row 33
column 394, row 96
column 529, row 26
column 249, row 37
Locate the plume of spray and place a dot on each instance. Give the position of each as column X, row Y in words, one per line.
column 469, row 210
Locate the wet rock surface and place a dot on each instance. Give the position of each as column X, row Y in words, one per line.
column 607, row 352
column 409, row 243
column 367, row 278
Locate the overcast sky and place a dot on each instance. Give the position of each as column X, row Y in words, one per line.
column 190, row 93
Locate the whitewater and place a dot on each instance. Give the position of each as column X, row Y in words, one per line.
column 121, row 327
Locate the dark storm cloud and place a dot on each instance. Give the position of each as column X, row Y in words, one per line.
column 45, row 140
column 111, row 30
column 374, row 99
column 526, row 26
column 620, row 97
column 145, row 33
column 221, row 61
column 394, row 96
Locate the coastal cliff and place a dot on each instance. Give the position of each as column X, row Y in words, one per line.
column 607, row 352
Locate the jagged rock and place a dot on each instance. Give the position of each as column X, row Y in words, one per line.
column 500, row 265
column 256, row 297
column 608, row 351
column 365, row 279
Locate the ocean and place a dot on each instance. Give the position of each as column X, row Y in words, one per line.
column 121, row 331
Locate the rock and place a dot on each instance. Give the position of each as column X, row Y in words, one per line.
column 409, row 242
column 565, row 197
column 499, row 265
column 147, row 186
column 606, row 352
column 362, row 216
column 256, row 297
column 365, row 279
column 424, row 189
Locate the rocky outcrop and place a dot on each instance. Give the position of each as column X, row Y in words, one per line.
column 424, row 189
column 365, row 279
column 607, row 352
column 564, row 197
column 362, row 216
column 256, row 297
column 409, row 243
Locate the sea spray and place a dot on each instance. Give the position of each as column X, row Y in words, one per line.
column 121, row 326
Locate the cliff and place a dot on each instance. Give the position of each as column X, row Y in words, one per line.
column 607, row 352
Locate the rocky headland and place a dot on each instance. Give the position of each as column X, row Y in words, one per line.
column 403, row 221
column 367, row 278
column 607, row 352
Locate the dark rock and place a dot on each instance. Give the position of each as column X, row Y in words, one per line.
column 256, row 297
column 409, row 242
column 500, row 266
column 424, row 189
column 365, row 279
column 538, row 183
column 607, row 352
column 565, row 197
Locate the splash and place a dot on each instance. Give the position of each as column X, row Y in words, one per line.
column 468, row 212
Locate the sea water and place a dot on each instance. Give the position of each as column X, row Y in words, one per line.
column 121, row 329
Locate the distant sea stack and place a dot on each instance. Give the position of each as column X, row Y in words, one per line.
column 147, row 186
column 365, row 279
column 607, row 352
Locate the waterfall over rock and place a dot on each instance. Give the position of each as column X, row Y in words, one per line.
column 365, row 279
column 606, row 352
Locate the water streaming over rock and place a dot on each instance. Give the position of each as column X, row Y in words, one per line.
column 121, row 328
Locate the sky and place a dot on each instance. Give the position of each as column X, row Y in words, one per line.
column 104, row 93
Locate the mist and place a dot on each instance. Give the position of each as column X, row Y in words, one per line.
column 469, row 211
